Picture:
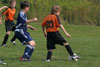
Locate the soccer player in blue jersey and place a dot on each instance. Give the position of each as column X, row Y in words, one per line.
column 21, row 31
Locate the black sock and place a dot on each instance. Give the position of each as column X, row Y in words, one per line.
column 5, row 39
column 69, row 50
column 14, row 38
column 49, row 55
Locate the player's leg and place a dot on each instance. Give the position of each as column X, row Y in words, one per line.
column 50, row 45
column 32, row 43
column 14, row 37
column 29, row 50
column 8, row 26
column 67, row 46
column 13, row 40
column 60, row 40
column 49, row 55
column 6, row 38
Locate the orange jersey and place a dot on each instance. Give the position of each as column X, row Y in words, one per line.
column 10, row 13
column 52, row 23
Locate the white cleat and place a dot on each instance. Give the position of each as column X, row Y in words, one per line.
column 1, row 62
column 14, row 42
column 75, row 57
column 4, row 45
column 48, row 60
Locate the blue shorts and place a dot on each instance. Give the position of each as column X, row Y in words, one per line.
column 23, row 38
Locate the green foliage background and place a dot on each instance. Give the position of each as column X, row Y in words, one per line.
column 83, row 12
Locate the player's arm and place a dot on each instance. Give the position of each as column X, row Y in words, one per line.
column 44, row 31
column 0, row 19
column 31, row 27
column 31, row 20
column 62, row 27
column 25, row 20
column 3, row 7
column 44, row 28
column 2, row 13
column 66, row 33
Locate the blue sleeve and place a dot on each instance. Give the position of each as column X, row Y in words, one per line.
column 58, row 20
column 23, row 18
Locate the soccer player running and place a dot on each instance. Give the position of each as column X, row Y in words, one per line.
column 51, row 24
column 9, row 22
column 21, row 31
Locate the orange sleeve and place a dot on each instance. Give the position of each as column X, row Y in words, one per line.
column 5, row 12
column 44, row 22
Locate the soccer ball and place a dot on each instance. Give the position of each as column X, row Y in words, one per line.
column 70, row 58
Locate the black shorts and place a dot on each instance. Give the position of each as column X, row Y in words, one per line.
column 54, row 38
column 9, row 25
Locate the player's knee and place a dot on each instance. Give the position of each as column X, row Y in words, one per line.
column 32, row 43
column 50, row 50
column 8, row 33
column 65, row 44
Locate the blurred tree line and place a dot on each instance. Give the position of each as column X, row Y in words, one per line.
column 79, row 12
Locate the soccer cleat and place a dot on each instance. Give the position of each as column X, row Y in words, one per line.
column 78, row 57
column 24, row 60
column 1, row 62
column 4, row 45
column 14, row 42
column 48, row 60
column 75, row 57
column 24, row 43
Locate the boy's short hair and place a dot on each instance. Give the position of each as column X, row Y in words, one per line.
column 11, row 1
column 55, row 9
column 24, row 4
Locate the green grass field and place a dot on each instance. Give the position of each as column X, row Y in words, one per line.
column 85, row 41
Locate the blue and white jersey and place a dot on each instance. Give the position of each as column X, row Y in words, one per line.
column 21, row 22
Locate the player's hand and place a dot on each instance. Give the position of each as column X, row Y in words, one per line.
column 35, row 19
column 34, row 28
column 0, row 23
column 0, row 20
column 68, row 35
column 45, row 35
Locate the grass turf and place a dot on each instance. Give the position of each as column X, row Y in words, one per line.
column 84, row 41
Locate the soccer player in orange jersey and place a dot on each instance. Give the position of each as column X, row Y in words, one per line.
column 9, row 21
column 52, row 24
